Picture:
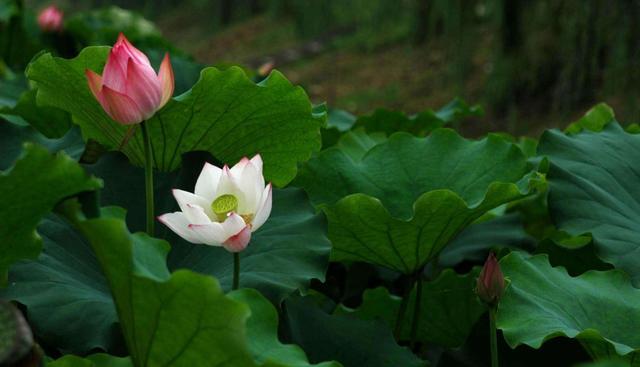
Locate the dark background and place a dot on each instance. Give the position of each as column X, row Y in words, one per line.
column 530, row 64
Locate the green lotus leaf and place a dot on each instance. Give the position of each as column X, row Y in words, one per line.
column 475, row 241
column 51, row 122
column 449, row 309
column 594, row 120
column 13, row 137
column 357, row 143
column 262, row 334
column 611, row 363
column 225, row 113
column 389, row 122
column 28, row 191
column 66, row 278
column 402, row 169
column 593, row 190
column 404, row 200
column 179, row 319
column 348, row 340
column 599, row 308
column 94, row 360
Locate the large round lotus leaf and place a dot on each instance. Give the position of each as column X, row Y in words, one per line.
column 225, row 113
column 399, row 204
column 593, row 188
column 599, row 308
column 400, row 170
column 66, row 278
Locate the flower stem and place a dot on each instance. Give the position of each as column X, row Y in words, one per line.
column 397, row 331
column 148, row 178
column 236, row 271
column 416, row 312
column 494, row 337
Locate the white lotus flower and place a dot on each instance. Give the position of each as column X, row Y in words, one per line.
column 226, row 207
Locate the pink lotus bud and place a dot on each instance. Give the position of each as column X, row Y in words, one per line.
column 490, row 285
column 129, row 89
column 266, row 68
column 50, row 19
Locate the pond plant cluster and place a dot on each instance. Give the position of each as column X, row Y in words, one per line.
column 156, row 212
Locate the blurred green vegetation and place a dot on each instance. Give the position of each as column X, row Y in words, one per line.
column 530, row 63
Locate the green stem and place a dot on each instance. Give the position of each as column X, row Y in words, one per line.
column 397, row 331
column 416, row 312
column 494, row 337
column 236, row 271
column 148, row 178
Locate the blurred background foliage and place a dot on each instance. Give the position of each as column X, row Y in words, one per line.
column 531, row 64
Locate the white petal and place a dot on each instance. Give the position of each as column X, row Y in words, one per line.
column 196, row 214
column 229, row 185
column 178, row 223
column 210, row 234
column 233, row 225
column 215, row 234
column 236, row 170
column 184, row 197
column 257, row 161
column 207, row 183
column 264, row 210
column 252, row 184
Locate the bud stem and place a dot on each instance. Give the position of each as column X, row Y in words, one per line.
column 493, row 335
column 236, row 271
column 148, row 177
column 397, row 331
column 416, row 311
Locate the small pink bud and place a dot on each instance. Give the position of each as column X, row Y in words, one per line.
column 266, row 68
column 50, row 19
column 490, row 284
column 129, row 90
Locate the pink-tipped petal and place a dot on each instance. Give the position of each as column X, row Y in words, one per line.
column 179, row 224
column 167, row 81
column 120, row 107
column 211, row 234
column 264, row 210
column 236, row 170
column 257, row 161
column 143, row 87
column 233, row 224
column 239, row 241
column 137, row 55
column 95, row 85
column 185, row 198
column 114, row 75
